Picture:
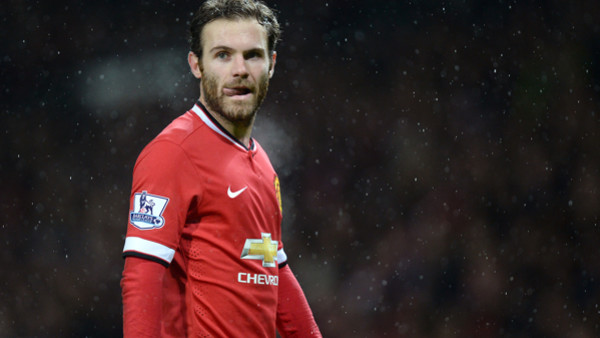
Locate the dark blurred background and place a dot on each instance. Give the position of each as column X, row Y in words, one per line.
column 439, row 160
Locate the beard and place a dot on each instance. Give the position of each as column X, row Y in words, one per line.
column 234, row 111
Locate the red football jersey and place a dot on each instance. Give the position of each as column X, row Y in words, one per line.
column 209, row 209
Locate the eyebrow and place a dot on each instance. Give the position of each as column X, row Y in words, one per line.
column 225, row 48
column 220, row 48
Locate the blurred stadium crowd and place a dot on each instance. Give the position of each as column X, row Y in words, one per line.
column 439, row 161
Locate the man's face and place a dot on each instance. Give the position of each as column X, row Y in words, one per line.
column 235, row 68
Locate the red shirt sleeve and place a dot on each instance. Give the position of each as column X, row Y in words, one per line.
column 159, row 201
column 294, row 317
column 141, row 287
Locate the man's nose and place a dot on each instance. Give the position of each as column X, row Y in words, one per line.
column 239, row 67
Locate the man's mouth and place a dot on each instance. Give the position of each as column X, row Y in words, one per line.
column 236, row 91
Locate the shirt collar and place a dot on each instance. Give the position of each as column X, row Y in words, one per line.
column 213, row 124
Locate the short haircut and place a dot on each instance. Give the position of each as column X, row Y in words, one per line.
column 234, row 9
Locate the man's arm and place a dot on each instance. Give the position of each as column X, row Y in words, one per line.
column 294, row 317
column 141, row 286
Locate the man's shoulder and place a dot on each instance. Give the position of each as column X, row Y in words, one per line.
column 175, row 139
column 180, row 129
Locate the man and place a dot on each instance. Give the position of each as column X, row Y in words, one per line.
column 207, row 259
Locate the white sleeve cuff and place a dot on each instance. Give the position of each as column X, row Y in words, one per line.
column 281, row 256
column 146, row 247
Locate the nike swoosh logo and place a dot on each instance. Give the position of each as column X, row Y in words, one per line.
column 234, row 194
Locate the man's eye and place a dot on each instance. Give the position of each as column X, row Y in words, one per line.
column 252, row 55
column 222, row 55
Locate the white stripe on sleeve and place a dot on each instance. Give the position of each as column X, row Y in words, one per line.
column 281, row 256
column 147, row 247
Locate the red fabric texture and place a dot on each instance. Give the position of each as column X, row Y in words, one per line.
column 141, row 286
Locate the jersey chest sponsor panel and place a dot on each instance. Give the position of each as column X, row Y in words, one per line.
column 239, row 202
column 240, row 206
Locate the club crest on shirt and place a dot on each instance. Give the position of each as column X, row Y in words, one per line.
column 278, row 192
column 147, row 211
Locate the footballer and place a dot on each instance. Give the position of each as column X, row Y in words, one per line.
column 203, row 250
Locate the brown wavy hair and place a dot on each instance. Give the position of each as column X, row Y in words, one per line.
column 234, row 9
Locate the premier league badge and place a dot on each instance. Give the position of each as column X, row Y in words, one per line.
column 147, row 211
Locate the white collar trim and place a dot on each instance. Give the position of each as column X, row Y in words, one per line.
column 203, row 116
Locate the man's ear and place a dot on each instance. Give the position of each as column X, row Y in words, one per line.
column 272, row 66
column 194, row 63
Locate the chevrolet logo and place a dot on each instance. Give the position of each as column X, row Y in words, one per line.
column 263, row 249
